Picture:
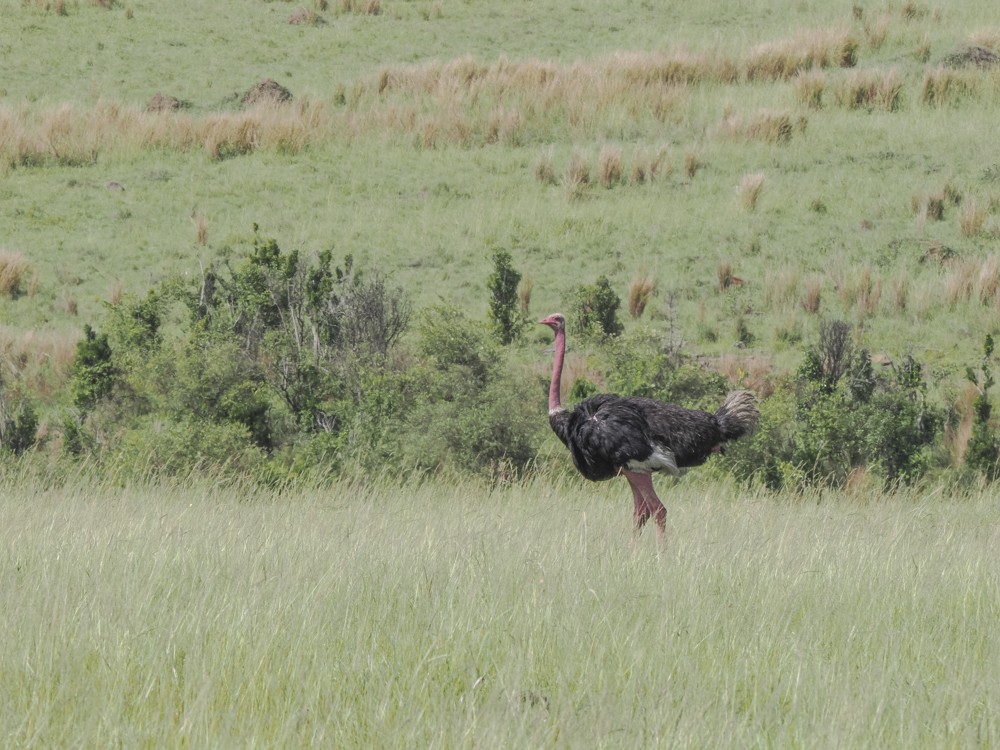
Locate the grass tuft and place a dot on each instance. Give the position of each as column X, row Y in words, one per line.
column 870, row 89
column 751, row 186
column 14, row 269
column 640, row 290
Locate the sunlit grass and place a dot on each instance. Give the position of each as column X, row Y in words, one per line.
column 451, row 616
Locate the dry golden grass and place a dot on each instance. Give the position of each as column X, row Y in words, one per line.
column 900, row 288
column 74, row 135
column 692, row 162
column 764, row 125
column 609, row 166
column 40, row 361
column 960, row 281
column 14, row 269
column 524, row 289
column 972, row 218
column 724, row 277
column 750, row 189
column 957, row 436
column 870, row 89
column 201, row 228
column 809, row 87
column 943, row 86
column 544, row 170
column 781, row 288
column 929, row 206
column 577, row 171
column 877, row 30
column 821, row 48
column 812, row 296
column 640, row 290
column 989, row 38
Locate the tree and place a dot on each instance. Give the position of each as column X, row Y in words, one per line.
column 506, row 320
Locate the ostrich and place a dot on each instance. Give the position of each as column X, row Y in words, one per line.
column 609, row 435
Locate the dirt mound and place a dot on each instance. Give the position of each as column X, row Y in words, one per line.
column 164, row 103
column 304, row 17
column 266, row 92
column 974, row 55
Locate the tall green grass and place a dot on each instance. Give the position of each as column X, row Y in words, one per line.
column 450, row 616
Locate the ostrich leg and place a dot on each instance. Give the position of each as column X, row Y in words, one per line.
column 646, row 502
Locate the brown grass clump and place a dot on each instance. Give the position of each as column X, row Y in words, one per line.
column 524, row 289
column 972, row 218
column 692, row 163
column 544, row 171
column 822, row 48
column 361, row 7
column 609, row 166
column 13, row 272
column 988, row 282
column 809, row 86
column 640, row 290
column 946, row 87
column 929, row 206
column 988, row 38
column 901, row 291
column 870, row 89
column 577, row 172
column 764, row 125
column 750, row 189
column 724, row 276
column 201, row 228
column 812, row 296
column 647, row 167
column 877, row 30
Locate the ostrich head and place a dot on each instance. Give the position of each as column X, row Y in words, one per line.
column 556, row 321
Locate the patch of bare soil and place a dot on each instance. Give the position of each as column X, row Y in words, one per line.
column 164, row 103
column 305, row 17
column 267, row 91
column 972, row 56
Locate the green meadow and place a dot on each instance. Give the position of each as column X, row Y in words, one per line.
column 759, row 169
column 432, row 615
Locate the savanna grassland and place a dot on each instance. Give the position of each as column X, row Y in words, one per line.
column 758, row 169
column 381, row 616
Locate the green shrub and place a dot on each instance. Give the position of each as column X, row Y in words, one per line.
column 982, row 455
column 506, row 320
column 93, row 373
column 162, row 447
column 594, row 309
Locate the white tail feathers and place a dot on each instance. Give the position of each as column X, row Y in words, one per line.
column 738, row 415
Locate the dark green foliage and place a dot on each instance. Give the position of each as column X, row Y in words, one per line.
column 641, row 364
column 263, row 353
column 506, row 320
column 93, row 372
column 156, row 446
column 843, row 416
column 982, row 455
column 472, row 412
column 594, row 309
column 582, row 389
column 18, row 430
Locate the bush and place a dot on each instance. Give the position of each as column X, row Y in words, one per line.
column 180, row 448
column 595, row 309
column 471, row 414
column 505, row 316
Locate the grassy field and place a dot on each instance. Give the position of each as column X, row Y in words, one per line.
column 765, row 166
column 449, row 616
column 832, row 158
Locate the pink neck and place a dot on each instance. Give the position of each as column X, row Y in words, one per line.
column 560, row 345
